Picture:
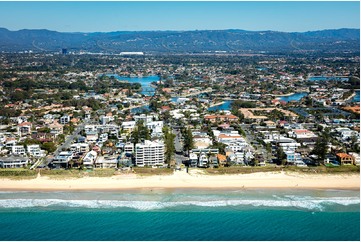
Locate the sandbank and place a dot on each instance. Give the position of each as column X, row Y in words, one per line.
column 181, row 179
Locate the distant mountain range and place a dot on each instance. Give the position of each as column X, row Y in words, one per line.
column 182, row 41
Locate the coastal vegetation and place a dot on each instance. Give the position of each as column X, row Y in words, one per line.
column 148, row 171
column 301, row 170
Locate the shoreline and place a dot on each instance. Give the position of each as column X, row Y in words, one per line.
column 182, row 180
column 350, row 97
column 284, row 95
column 216, row 104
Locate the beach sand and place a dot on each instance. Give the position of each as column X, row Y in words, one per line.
column 181, row 179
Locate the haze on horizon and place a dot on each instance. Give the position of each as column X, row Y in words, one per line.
column 150, row 16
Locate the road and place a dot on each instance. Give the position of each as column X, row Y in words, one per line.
column 250, row 138
column 69, row 139
column 178, row 156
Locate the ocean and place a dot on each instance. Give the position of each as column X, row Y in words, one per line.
column 180, row 214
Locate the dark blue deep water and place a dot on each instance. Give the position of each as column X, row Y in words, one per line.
column 181, row 215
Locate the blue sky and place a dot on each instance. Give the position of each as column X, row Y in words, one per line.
column 132, row 16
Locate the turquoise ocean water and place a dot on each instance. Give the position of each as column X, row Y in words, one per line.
column 181, row 215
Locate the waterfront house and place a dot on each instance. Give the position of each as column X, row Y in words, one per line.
column 13, row 162
column 356, row 158
column 193, row 159
column 345, row 159
column 62, row 160
column 89, row 159
column 106, row 162
column 222, row 159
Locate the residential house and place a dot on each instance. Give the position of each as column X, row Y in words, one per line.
column 24, row 128
column 221, row 118
column 356, row 158
column 91, row 136
column 56, row 128
column 79, row 148
column 64, row 119
column 18, row 150
column 345, row 159
column 35, row 151
column 106, row 162
column 89, row 159
column 129, row 126
column 62, row 160
column 222, row 159
column 13, row 162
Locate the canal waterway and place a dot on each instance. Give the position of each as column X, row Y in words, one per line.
column 327, row 78
column 145, row 81
column 294, row 97
column 356, row 98
column 226, row 105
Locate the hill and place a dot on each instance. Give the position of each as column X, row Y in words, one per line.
column 182, row 41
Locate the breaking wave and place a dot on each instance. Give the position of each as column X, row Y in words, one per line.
column 307, row 203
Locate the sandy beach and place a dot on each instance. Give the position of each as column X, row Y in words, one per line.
column 181, row 179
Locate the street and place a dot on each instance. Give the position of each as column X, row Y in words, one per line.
column 178, row 156
column 69, row 139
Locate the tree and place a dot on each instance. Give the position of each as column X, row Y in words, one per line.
column 320, row 148
column 49, row 147
column 281, row 156
column 169, row 144
column 188, row 140
column 220, row 146
column 141, row 132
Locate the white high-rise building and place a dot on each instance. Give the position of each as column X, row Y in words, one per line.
column 149, row 153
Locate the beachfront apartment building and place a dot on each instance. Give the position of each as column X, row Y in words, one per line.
column 129, row 148
column 149, row 153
